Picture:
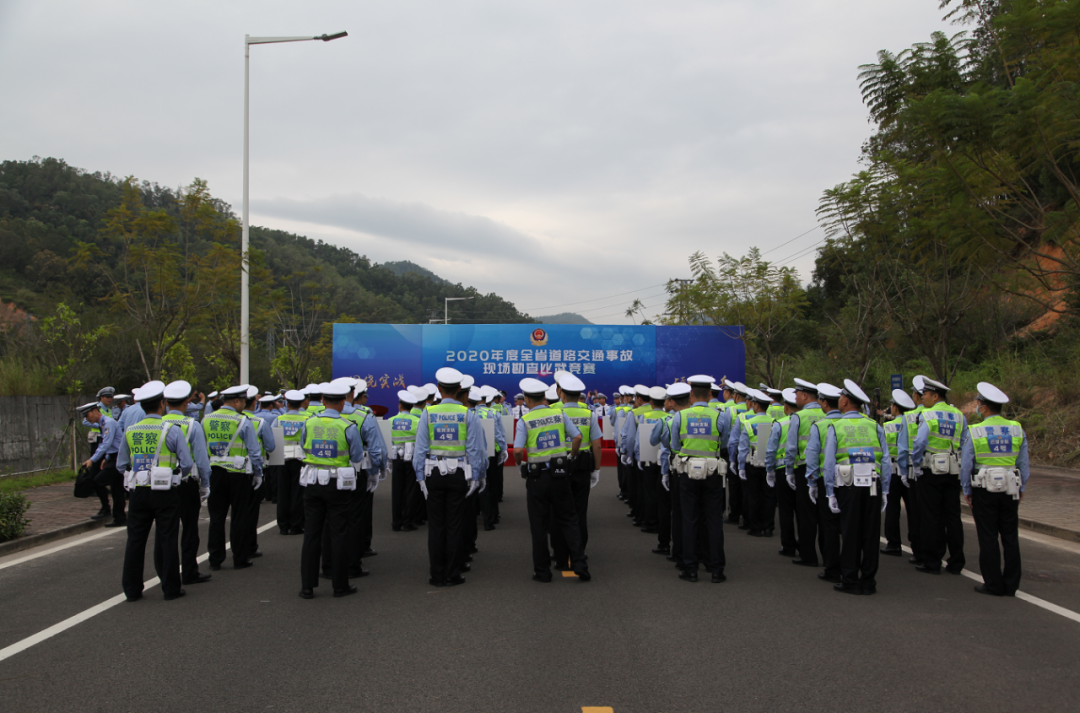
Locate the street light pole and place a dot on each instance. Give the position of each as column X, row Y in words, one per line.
column 245, row 305
column 446, row 307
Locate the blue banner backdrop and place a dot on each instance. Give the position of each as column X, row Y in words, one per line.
column 392, row 356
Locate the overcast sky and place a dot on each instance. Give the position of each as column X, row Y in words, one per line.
column 553, row 152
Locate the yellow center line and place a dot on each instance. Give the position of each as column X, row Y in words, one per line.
column 572, row 574
column 597, row 709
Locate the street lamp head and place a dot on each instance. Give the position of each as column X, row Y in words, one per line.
column 335, row 36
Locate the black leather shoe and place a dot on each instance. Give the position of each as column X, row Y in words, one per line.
column 805, row 563
column 117, row 523
column 649, row 530
column 436, row 582
column 927, row 570
column 134, row 597
column 755, row 533
column 744, row 527
column 408, row 528
column 468, row 558
column 767, row 533
column 369, row 553
column 351, row 589
column 256, row 553
column 914, row 560
column 982, row 589
column 488, row 528
column 197, row 579
column 296, row 531
column 661, row 551
column 671, row 558
column 455, row 581
column 283, row 531
column 848, row 588
column 829, row 578
column 788, row 553
column 307, row 593
column 584, row 575
column 215, row 567
column 466, row 567
column 891, row 551
column 242, row 565
column 732, row 520
column 472, row 550
column 719, row 577
column 358, row 573
column 101, row 514
column 688, row 576
column 954, row 570
column 179, row 593
column 541, row 578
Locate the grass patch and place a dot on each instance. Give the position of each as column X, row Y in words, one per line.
column 15, row 483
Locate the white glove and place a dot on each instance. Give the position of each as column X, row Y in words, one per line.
column 904, row 480
column 204, row 493
column 813, row 494
column 834, row 506
column 791, row 479
column 473, row 485
column 483, row 483
column 384, row 472
column 423, row 489
column 256, row 482
column 742, row 474
column 594, row 478
column 884, row 501
column 770, row 478
column 627, row 460
column 666, row 482
column 503, row 456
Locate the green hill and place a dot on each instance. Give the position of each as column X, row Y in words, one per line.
column 564, row 318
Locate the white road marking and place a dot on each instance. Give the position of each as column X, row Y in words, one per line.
column 58, row 548
column 1042, row 603
column 19, row 646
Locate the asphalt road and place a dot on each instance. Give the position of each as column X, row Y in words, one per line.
column 636, row 639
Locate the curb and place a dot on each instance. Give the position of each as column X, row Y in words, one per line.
column 1041, row 527
column 44, row 538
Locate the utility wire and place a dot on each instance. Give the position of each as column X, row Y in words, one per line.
column 596, row 299
column 792, row 240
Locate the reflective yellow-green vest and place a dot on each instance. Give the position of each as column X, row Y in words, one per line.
column 699, row 432
column 751, row 424
column 315, row 408
column 946, row 424
column 403, row 428
column 416, row 411
column 856, row 441
column 292, row 424
column 180, row 420
column 489, row 414
column 997, row 442
column 545, row 434
column 892, row 435
column 447, row 430
column 781, row 451
column 911, row 421
column 582, row 418
column 256, row 423
column 775, row 411
column 142, row 441
column 219, row 428
column 807, row 418
column 325, row 444
column 821, row 430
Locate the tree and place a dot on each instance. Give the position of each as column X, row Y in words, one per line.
column 70, row 349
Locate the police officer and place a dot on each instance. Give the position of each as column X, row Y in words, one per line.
column 193, row 488
column 361, row 519
column 784, row 485
column 543, row 436
column 586, row 470
column 649, row 471
column 905, row 440
column 403, row 440
column 489, row 492
column 265, row 433
column 448, row 460
column 417, row 506
column 697, row 434
column 269, row 413
column 857, row 471
column 669, row 504
column 154, row 457
column 470, row 396
column 290, row 504
column 798, row 437
column 236, row 469
column 102, row 463
column 993, row 474
column 333, row 452
column 901, row 404
column 627, row 439
column 105, row 404
column 755, row 429
column 828, row 517
column 737, row 410
column 935, row 456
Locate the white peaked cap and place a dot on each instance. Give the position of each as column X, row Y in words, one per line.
column 901, row 399
column 569, row 382
column 532, row 387
column 759, row 396
column 741, row 388
column 828, row 391
column 294, row 395
column 177, row 391
column 852, row 390
column 789, row 396
column 641, row 390
column 420, row 393
column 407, row 397
column 151, row 390
column 679, row 389
column 551, row 394
column 432, row 389
column 467, row 381
column 336, row 389
column 700, row 380
column 475, row 394
column 252, row 391
column 232, row 392
column 448, row 375
column 804, row 385
column 268, row 399
column 935, row 385
column 919, row 383
column 657, row 393
column 991, row 393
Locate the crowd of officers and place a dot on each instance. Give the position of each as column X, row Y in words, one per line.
column 809, row 456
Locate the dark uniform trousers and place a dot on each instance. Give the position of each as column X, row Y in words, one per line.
column 255, row 506
column 354, row 512
column 828, row 532
column 899, row 492
column 290, row 496
column 860, row 525
column 703, row 512
column 675, row 497
column 761, row 500
column 579, row 491
column 939, row 520
column 472, row 511
column 107, row 479
column 650, row 483
column 550, row 502
column 808, row 518
column 620, row 471
column 785, row 505
column 417, row 513
column 402, row 478
column 633, row 491
column 489, row 499
column 228, row 491
column 160, row 509
column 663, row 511
column 734, row 491
column 190, row 506
column 446, row 524
column 997, row 515
column 326, row 515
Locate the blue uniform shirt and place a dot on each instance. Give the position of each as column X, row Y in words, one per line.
column 174, row 441
column 744, row 446
column 111, row 434
column 967, row 464
column 475, row 450
column 922, row 438
column 521, row 437
column 266, row 433
column 772, row 449
column 132, row 414
column 813, row 449
column 352, row 437
column 791, row 451
column 197, row 445
column 830, row 457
